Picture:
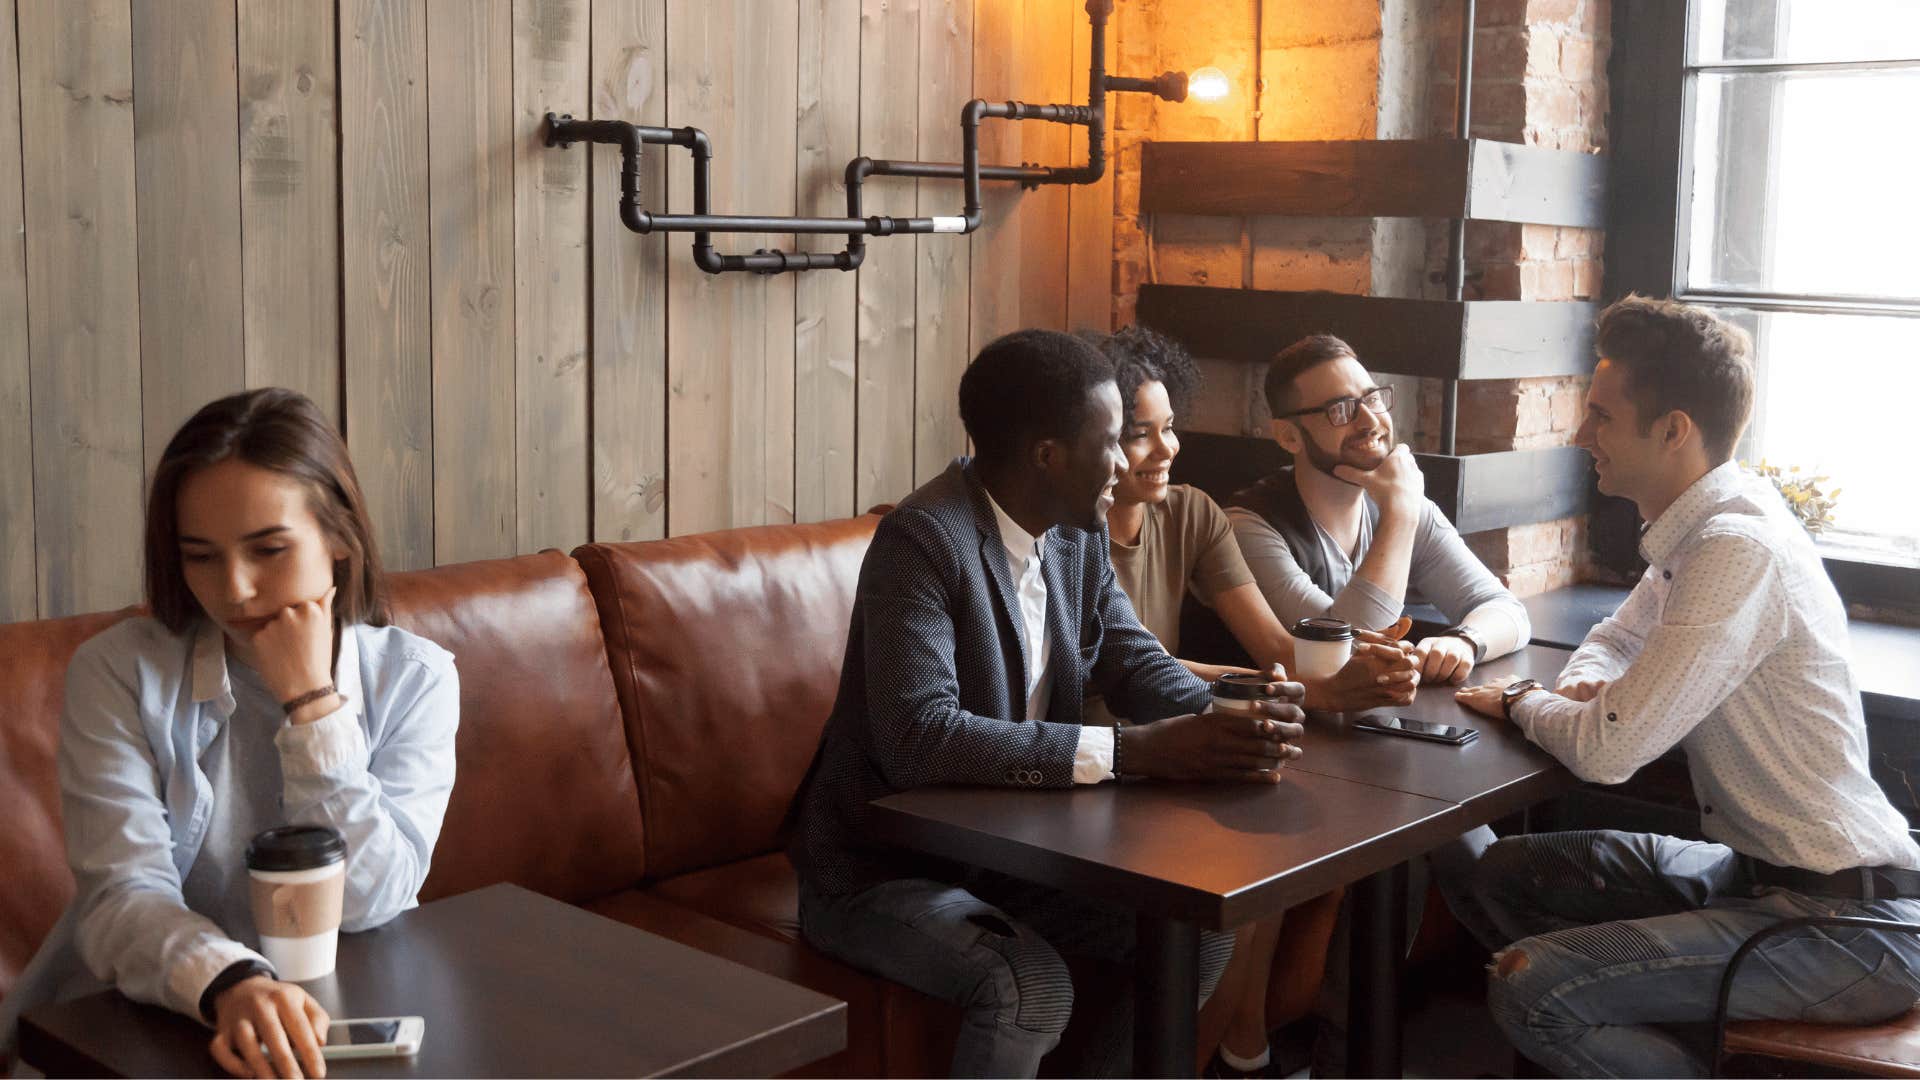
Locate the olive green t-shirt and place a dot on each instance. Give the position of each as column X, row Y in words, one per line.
column 1185, row 543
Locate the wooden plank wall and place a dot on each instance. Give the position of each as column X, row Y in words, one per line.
column 351, row 198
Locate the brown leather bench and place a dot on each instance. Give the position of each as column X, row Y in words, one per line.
column 640, row 773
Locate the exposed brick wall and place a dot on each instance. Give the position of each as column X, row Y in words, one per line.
column 1359, row 69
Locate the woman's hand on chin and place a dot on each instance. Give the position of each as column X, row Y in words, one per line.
column 295, row 652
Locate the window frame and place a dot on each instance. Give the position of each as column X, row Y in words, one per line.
column 1652, row 118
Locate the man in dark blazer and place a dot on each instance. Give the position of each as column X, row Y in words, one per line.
column 985, row 606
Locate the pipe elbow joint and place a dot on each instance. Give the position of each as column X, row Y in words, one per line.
column 635, row 218
column 706, row 258
column 859, row 169
column 972, row 112
column 696, row 140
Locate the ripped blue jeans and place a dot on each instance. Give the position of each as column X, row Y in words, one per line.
column 1620, row 940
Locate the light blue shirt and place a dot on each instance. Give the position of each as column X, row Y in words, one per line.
column 142, row 708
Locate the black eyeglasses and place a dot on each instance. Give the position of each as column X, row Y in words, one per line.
column 1341, row 411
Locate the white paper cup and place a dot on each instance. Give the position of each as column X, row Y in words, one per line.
column 1321, row 647
column 297, row 908
column 1238, row 693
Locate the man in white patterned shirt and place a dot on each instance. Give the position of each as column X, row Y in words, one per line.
column 1733, row 646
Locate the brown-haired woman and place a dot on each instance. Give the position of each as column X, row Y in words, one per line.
column 266, row 689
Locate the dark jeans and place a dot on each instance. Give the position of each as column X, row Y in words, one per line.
column 994, row 949
column 1623, row 938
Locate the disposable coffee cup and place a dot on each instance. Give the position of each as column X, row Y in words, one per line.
column 298, row 874
column 1321, row 647
column 1235, row 693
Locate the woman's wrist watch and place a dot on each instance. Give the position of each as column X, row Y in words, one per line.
column 1514, row 692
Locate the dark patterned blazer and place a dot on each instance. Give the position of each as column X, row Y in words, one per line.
column 933, row 689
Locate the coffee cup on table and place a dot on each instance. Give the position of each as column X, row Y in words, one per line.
column 1321, row 646
column 298, row 875
column 1237, row 693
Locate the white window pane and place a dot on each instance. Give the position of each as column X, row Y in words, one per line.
column 1805, row 31
column 1832, row 390
column 1801, row 186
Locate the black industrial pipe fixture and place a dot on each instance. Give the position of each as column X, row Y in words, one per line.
column 564, row 131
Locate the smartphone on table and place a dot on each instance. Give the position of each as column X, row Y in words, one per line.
column 1408, row 727
column 377, row 1036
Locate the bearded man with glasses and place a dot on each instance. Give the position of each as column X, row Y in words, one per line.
column 1349, row 532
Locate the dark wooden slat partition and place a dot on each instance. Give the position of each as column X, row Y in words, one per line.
column 1475, row 491
column 1461, row 339
column 1427, row 178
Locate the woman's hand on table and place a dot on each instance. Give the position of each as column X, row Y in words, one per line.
column 1382, row 671
column 279, row 1016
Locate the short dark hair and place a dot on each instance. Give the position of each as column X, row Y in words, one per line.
column 273, row 429
column 1679, row 357
column 1026, row 386
column 1141, row 356
column 1296, row 360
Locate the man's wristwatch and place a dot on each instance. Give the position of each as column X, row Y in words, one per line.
column 1471, row 636
column 1514, row 692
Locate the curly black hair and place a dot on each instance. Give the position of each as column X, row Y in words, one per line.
column 1142, row 356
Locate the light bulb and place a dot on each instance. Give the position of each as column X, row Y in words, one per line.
column 1208, row 84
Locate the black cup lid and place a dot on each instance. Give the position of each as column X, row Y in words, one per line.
column 1237, row 687
column 1322, row 628
column 296, row 847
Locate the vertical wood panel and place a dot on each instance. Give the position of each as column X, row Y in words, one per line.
column 1046, row 51
column 942, row 278
column 730, row 336
column 825, row 301
column 998, row 27
column 889, row 81
column 470, row 166
column 384, row 257
column 187, row 174
column 17, row 594
column 76, row 101
column 1090, row 208
column 629, row 281
column 290, row 197
column 550, row 68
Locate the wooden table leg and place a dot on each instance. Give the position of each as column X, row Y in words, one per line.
column 1166, row 994
column 1378, row 949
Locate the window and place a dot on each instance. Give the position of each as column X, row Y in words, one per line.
column 1794, row 167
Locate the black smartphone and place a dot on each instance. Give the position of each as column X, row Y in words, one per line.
column 1417, row 729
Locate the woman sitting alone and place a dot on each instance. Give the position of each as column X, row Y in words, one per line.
column 265, row 689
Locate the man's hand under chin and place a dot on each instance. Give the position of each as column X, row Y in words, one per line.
column 1395, row 483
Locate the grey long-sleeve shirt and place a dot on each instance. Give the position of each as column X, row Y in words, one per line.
column 1443, row 572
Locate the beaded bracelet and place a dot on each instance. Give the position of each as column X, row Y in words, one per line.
column 307, row 698
column 1116, row 750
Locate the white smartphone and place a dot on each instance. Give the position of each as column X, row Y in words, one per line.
column 378, row 1036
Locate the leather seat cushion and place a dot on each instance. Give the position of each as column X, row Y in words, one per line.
column 545, row 796
column 891, row 1030
column 33, row 689
column 759, row 894
column 1889, row 1049
column 726, row 650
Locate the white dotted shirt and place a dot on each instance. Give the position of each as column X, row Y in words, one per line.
column 1734, row 646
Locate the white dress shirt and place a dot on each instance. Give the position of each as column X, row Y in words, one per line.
column 1734, row 646
column 1093, row 757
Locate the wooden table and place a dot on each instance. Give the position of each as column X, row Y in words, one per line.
column 1183, row 857
column 511, row 983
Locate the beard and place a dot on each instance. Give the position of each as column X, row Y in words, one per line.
column 1356, row 456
